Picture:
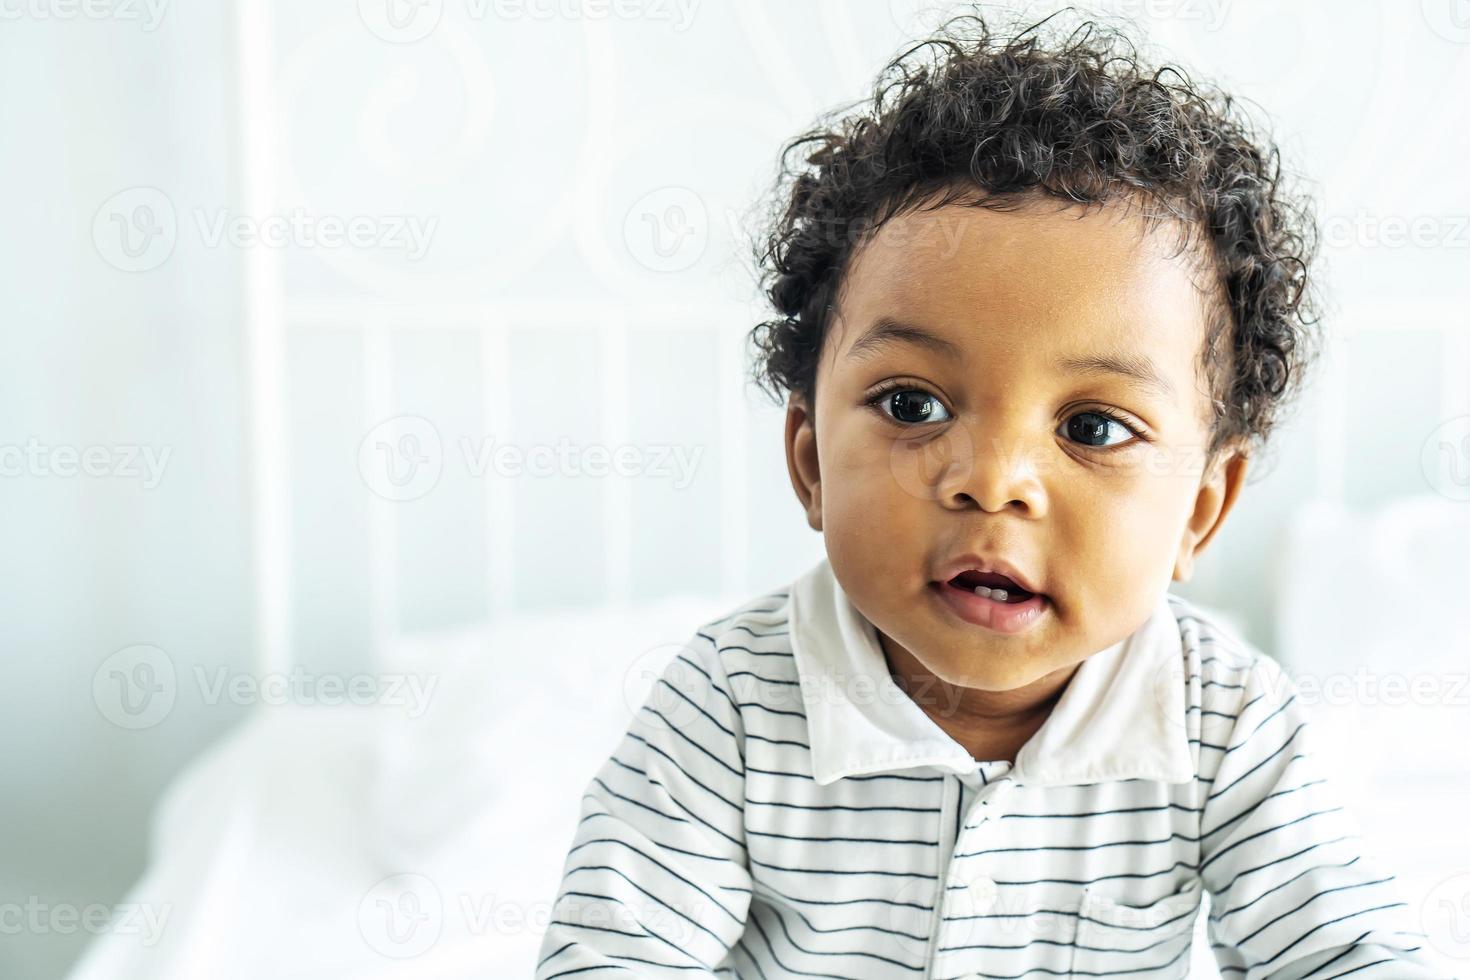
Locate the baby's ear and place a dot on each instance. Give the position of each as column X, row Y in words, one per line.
column 801, row 459
column 1219, row 488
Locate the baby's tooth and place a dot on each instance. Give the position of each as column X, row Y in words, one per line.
column 982, row 590
column 999, row 595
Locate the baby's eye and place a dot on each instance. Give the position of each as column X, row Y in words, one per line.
column 1091, row 429
column 910, row 406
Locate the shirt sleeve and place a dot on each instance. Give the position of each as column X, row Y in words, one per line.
column 656, row 882
column 1294, row 890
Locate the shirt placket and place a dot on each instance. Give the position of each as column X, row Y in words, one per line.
column 970, row 812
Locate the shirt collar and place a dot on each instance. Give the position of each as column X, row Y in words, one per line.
column 1118, row 718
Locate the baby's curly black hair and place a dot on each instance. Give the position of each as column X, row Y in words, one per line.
column 1077, row 118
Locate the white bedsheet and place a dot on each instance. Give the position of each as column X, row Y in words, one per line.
column 270, row 852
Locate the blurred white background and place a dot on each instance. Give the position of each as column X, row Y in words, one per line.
column 374, row 415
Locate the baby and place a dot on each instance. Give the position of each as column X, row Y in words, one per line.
column 1037, row 307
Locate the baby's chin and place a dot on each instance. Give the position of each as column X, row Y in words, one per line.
column 1005, row 673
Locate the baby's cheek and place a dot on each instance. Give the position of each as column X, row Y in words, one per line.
column 863, row 495
column 1111, row 552
column 865, row 543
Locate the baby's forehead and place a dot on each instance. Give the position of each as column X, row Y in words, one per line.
column 1057, row 278
column 1029, row 244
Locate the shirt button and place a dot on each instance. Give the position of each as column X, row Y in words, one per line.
column 983, row 892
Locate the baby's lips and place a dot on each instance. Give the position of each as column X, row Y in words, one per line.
column 991, row 580
column 993, row 572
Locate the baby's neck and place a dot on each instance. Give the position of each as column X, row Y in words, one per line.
column 991, row 725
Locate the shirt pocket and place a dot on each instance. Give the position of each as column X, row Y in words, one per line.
column 1120, row 939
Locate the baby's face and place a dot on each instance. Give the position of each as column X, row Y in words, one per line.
column 1090, row 483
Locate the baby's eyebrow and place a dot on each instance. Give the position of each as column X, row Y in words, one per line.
column 1137, row 369
column 886, row 330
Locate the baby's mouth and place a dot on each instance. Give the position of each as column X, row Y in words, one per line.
column 992, row 585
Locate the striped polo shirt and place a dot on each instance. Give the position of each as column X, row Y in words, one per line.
column 781, row 808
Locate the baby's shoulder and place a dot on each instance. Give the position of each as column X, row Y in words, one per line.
column 1224, row 672
column 750, row 647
